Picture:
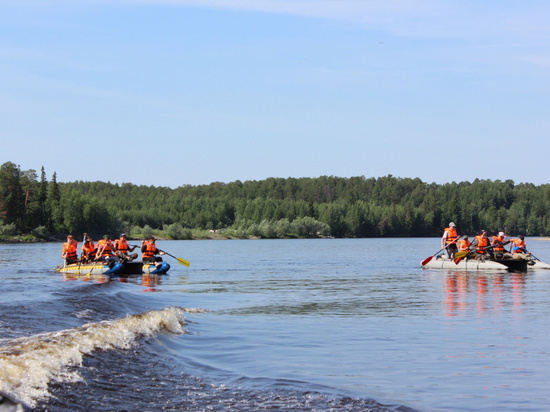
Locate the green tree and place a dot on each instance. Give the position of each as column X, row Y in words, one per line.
column 12, row 204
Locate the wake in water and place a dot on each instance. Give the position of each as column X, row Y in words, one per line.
column 29, row 364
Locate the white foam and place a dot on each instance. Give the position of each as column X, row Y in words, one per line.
column 28, row 364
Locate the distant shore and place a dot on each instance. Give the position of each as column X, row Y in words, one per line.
column 30, row 239
column 211, row 236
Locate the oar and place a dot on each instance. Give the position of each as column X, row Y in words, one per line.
column 460, row 255
column 180, row 260
column 428, row 259
column 80, row 261
column 99, row 251
column 64, row 255
column 90, row 272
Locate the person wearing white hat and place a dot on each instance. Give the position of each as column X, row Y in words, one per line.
column 448, row 241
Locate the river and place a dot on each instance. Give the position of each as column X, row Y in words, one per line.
column 276, row 325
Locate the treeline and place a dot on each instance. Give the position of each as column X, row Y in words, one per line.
column 275, row 207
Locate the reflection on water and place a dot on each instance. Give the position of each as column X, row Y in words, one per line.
column 148, row 281
column 482, row 291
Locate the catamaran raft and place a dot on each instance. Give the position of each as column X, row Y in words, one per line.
column 522, row 265
column 114, row 268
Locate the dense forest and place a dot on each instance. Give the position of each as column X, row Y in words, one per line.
column 275, row 207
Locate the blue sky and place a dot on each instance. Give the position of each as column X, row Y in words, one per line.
column 176, row 92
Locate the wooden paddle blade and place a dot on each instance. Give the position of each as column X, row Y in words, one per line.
column 426, row 261
column 183, row 262
column 457, row 260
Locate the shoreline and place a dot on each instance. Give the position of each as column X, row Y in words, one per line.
column 208, row 237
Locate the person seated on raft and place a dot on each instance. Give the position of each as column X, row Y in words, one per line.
column 149, row 250
column 480, row 245
column 499, row 243
column 105, row 250
column 464, row 246
column 69, row 250
column 518, row 250
column 122, row 248
column 88, row 249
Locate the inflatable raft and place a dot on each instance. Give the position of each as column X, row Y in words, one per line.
column 146, row 268
column 114, row 268
column 443, row 262
column 537, row 264
column 92, row 268
column 515, row 265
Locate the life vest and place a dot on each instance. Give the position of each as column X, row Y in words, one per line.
column 451, row 235
column 121, row 246
column 150, row 250
column 105, row 247
column 482, row 243
column 69, row 250
column 518, row 246
column 499, row 244
column 464, row 244
column 88, row 247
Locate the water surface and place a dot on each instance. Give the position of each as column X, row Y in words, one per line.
column 276, row 325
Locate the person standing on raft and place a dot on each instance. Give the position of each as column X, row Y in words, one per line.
column 448, row 241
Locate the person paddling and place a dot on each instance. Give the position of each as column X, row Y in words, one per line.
column 70, row 250
column 464, row 244
column 149, row 250
column 105, row 249
column 480, row 245
column 88, row 249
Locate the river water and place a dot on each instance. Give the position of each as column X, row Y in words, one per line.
column 276, row 325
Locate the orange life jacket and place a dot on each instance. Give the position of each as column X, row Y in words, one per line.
column 518, row 246
column 88, row 247
column 121, row 246
column 69, row 250
column 464, row 244
column 105, row 247
column 498, row 242
column 451, row 235
column 150, row 250
column 482, row 243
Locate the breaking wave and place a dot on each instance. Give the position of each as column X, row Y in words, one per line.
column 29, row 364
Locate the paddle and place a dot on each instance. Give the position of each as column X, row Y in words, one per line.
column 90, row 272
column 461, row 255
column 80, row 260
column 180, row 260
column 428, row 259
column 64, row 255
